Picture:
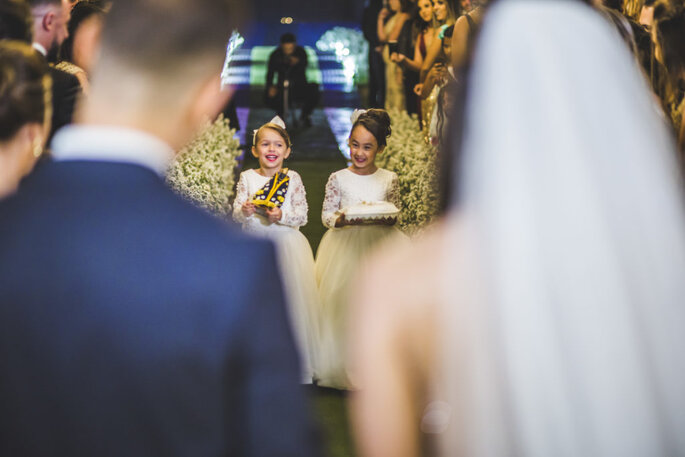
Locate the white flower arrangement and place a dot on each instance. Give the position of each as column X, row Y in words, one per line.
column 414, row 162
column 204, row 171
column 350, row 48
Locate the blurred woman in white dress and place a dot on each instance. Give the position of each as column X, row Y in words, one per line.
column 545, row 316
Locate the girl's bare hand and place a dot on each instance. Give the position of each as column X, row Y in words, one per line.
column 274, row 215
column 248, row 209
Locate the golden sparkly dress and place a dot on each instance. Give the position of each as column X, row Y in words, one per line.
column 394, row 85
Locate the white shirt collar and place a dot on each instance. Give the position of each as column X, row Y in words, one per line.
column 112, row 144
column 40, row 48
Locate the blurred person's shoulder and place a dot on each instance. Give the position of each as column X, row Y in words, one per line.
column 74, row 197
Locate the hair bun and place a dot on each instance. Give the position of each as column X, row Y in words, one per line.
column 382, row 118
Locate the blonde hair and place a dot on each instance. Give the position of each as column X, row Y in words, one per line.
column 280, row 130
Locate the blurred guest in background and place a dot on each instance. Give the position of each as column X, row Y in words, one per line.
column 544, row 317
column 79, row 49
column 668, row 33
column 16, row 22
column 376, row 64
column 289, row 64
column 389, row 24
column 24, row 111
column 413, row 37
column 647, row 14
column 464, row 31
column 424, row 31
column 440, row 74
column 446, row 13
column 50, row 19
column 435, row 63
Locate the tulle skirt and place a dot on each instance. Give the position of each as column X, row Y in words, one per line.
column 340, row 254
column 296, row 264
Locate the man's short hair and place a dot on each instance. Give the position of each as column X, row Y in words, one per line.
column 16, row 22
column 288, row 38
column 156, row 36
column 35, row 3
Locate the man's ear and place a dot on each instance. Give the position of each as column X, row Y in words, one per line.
column 208, row 101
column 48, row 21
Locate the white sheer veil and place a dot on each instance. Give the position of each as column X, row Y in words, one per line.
column 571, row 204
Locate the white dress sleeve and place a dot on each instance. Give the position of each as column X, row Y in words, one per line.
column 295, row 215
column 241, row 196
column 331, row 202
column 394, row 192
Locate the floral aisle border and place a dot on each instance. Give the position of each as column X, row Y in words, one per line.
column 414, row 161
column 204, row 171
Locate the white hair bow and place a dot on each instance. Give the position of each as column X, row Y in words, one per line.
column 276, row 120
column 356, row 114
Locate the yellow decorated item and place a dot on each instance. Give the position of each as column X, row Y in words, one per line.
column 272, row 195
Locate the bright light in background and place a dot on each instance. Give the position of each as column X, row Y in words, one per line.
column 349, row 70
column 286, row 20
column 341, row 123
column 351, row 49
column 234, row 43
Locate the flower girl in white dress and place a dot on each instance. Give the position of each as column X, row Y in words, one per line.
column 271, row 202
column 347, row 242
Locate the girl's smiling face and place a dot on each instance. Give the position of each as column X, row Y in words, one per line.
column 363, row 150
column 271, row 150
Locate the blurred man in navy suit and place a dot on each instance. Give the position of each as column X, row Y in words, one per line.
column 131, row 323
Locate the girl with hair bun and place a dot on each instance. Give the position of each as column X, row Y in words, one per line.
column 360, row 210
column 24, row 112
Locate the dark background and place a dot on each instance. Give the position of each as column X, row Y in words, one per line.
column 311, row 18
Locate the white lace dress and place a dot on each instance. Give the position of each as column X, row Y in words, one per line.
column 338, row 258
column 295, row 257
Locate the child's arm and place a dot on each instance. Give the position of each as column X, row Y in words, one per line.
column 295, row 215
column 241, row 205
column 331, row 202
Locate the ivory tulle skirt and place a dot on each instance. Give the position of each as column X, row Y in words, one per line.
column 296, row 264
column 340, row 254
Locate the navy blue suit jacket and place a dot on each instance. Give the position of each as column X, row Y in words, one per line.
column 133, row 324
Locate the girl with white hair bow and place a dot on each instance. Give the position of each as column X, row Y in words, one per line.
column 271, row 202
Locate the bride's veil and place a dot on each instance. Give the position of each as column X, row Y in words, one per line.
column 570, row 341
